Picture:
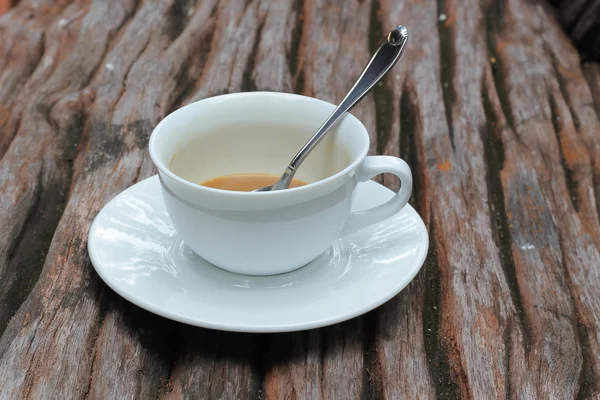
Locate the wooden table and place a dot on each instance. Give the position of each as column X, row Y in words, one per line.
column 490, row 105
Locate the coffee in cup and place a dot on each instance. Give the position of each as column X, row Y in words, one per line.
column 246, row 182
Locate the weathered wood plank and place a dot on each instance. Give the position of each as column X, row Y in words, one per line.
column 405, row 365
column 65, row 308
column 29, row 224
column 578, row 133
column 329, row 58
column 27, row 31
column 38, row 164
column 554, row 251
column 464, row 307
column 489, row 105
column 516, row 98
column 140, row 347
column 463, row 51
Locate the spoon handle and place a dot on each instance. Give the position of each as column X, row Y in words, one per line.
column 382, row 61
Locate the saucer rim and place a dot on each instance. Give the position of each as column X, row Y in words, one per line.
column 253, row 328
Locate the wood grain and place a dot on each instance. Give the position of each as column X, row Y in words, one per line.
column 490, row 105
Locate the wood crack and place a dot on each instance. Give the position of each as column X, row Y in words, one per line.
column 570, row 182
column 164, row 388
column 261, row 364
column 562, row 86
column 94, row 352
column 178, row 18
column 438, row 358
column 411, row 150
column 20, row 259
column 447, row 68
column 494, row 156
column 191, row 77
column 293, row 55
column 493, row 22
column 322, row 333
column 124, row 84
column 372, row 387
column 298, row 40
column 248, row 83
column 588, row 384
column 136, row 176
column 382, row 93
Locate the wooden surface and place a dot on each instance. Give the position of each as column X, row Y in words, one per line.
column 490, row 105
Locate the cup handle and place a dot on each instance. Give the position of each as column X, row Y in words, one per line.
column 371, row 167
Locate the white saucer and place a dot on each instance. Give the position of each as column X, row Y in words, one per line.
column 136, row 251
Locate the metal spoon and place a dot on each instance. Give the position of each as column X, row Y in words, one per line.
column 382, row 61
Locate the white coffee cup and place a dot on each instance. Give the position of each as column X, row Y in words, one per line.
column 265, row 233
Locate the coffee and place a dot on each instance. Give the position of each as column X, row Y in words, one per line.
column 246, row 182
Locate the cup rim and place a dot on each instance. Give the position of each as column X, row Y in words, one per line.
column 164, row 169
